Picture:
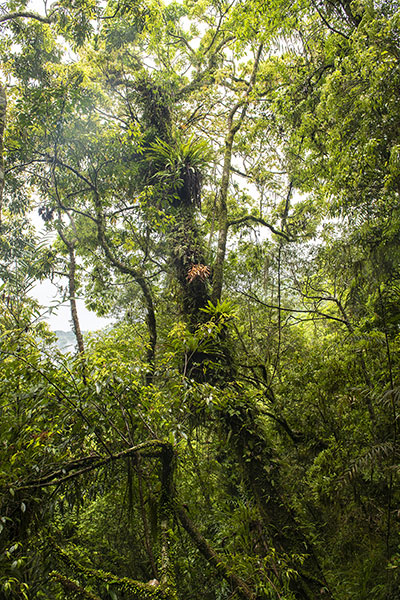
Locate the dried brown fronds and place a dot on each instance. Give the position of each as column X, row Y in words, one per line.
column 198, row 271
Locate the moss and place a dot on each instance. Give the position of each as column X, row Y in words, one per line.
column 72, row 588
column 134, row 590
column 155, row 100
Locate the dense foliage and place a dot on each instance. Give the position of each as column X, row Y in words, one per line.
column 223, row 179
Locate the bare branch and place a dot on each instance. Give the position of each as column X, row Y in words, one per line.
column 295, row 310
column 250, row 218
column 25, row 15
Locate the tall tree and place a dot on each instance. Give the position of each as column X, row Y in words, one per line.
column 230, row 171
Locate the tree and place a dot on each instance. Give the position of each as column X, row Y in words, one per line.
column 248, row 371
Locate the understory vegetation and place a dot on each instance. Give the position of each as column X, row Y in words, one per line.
column 222, row 180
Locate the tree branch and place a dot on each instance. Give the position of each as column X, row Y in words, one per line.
column 295, row 310
column 249, row 218
column 3, row 112
column 233, row 128
column 149, row 448
column 53, row 160
column 213, row 558
column 140, row 280
column 25, row 15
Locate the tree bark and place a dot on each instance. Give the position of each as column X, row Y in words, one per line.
column 3, row 110
column 261, row 471
column 213, row 558
column 140, row 280
column 233, row 128
column 72, row 291
column 72, row 299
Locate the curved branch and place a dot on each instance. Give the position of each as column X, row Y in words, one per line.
column 140, row 280
column 77, row 211
column 261, row 222
column 57, row 477
column 296, row 310
column 25, row 15
column 333, row 29
column 53, row 160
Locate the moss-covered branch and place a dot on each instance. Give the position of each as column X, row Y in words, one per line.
column 213, row 558
column 90, row 463
column 72, row 588
column 132, row 589
column 166, row 507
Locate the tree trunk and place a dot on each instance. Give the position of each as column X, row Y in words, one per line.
column 233, row 128
column 213, row 558
column 139, row 278
column 3, row 108
column 72, row 298
column 261, row 473
column 72, row 290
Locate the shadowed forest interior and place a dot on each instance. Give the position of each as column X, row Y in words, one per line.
column 221, row 180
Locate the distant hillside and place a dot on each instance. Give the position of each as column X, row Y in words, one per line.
column 66, row 340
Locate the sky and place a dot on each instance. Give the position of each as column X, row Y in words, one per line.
column 60, row 318
column 47, row 294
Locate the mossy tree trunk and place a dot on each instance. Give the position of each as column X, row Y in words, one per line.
column 260, row 467
column 3, row 111
column 251, row 447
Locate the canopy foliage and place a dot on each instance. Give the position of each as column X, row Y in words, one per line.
column 222, row 180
